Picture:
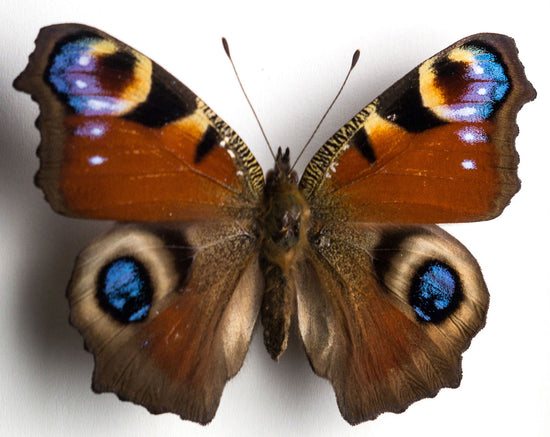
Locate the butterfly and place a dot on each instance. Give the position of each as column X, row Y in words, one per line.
column 384, row 300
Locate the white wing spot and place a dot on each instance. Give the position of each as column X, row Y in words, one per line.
column 478, row 69
column 97, row 131
column 97, row 160
column 84, row 60
column 464, row 112
column 468, row 164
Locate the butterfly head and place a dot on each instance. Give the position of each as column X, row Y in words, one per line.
column 282, row 173
column 286, row 210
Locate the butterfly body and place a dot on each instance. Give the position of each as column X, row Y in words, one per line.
column 286, row 219
column 385, row 301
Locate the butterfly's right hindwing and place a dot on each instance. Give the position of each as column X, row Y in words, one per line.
column 168, row 312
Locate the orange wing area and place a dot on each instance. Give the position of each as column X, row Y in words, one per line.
column 123, row 140
column 431, row 176
column 132, row 172
column 437, row 147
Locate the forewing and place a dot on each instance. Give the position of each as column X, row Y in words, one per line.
column 436, row 147
column 167, row 312
column 124, row 140
column 385, row 313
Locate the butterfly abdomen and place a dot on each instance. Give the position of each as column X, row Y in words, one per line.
column 276, row 309
column 285, row 222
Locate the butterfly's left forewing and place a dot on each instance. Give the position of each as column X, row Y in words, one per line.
column 386, row 310
column 437, row 147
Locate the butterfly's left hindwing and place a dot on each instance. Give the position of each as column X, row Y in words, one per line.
column 124, row 140
column 168, row 312
column 385, row 313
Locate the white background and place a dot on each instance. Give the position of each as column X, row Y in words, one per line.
column 292, row 56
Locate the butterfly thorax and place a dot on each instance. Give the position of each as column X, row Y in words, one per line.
column 285, row 221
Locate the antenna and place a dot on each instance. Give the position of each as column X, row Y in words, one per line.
column 354, row 60
column 226, row 48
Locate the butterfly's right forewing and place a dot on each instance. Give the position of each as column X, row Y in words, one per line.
column 124, row 140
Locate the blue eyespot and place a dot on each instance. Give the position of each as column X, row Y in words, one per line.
column 83, row 76
column 435, row 292
column 124, row 290
column 485, row 87
column 72, row 73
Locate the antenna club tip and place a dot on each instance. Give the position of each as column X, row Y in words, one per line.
column 355, row 58
column 226, row 47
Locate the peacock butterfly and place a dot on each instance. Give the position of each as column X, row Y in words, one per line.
column 385, row 301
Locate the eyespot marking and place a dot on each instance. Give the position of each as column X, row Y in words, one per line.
column 124, row 290
column 435, row 292
column 467, row 85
